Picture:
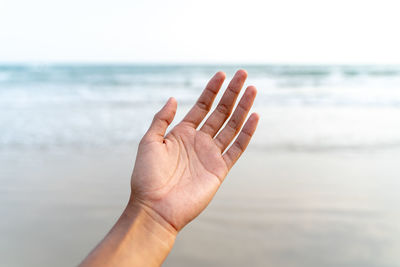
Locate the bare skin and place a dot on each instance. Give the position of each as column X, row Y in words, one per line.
column 177, row 174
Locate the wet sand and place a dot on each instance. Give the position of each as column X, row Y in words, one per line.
column 276, row 208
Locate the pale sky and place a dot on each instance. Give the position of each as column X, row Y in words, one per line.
column 202, row 31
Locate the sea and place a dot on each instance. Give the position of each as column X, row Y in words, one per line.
column 302, row 107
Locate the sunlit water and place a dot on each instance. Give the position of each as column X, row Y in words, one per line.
column 318, row 186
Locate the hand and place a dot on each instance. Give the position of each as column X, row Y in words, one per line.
column 176, row 176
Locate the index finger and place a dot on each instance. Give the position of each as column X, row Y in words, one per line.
column 203, row 105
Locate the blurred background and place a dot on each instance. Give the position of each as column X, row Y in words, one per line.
column 319, row 185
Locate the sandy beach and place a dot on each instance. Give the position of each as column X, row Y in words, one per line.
column 276, row 208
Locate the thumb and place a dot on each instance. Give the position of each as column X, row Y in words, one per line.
column 162, row 120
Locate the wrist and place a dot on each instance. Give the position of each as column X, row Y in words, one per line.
column 139, row 238
column 150, row 221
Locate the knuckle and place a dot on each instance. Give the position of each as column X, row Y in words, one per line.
column 240, row 146
column 203, row 105
column 246, row 133
column 160, row 117
column 157, row 116
column 233, row 123
column 223, row 108
column 233, row 89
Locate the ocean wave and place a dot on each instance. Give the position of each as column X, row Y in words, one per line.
column 303, row 108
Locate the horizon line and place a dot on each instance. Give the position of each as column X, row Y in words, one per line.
column 181, row 63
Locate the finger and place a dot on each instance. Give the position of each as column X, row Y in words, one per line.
column 241, row 142
column 225, row 105
column 204, row 103
column 231, row 129
column 161, row 121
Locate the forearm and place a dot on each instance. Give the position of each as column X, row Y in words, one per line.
column 139, row 238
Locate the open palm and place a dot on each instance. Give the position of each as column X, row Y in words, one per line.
column 177, row 175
